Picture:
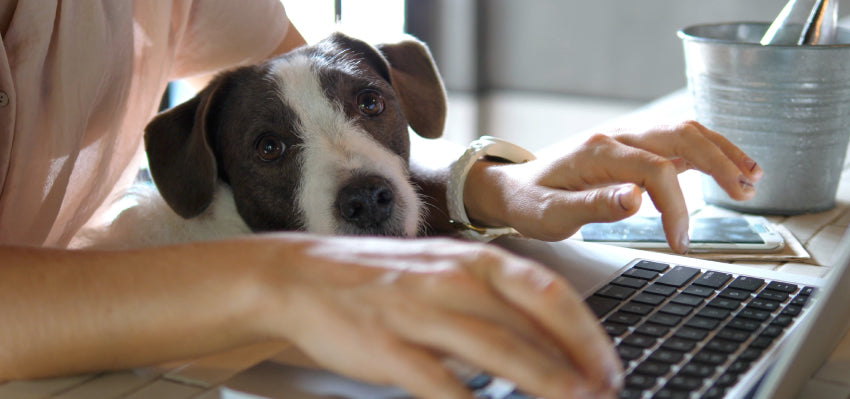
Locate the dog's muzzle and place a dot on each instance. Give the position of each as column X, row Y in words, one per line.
column 366, row 202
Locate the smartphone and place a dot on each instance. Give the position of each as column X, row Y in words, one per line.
column 720, row 234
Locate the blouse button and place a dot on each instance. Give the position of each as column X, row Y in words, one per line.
column 4, row 99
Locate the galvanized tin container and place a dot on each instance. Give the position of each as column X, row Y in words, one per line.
column 788, row 107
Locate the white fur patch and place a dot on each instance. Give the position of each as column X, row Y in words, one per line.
column 334, row 149
column 151, row 222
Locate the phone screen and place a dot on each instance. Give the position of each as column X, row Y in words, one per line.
column 648, row 229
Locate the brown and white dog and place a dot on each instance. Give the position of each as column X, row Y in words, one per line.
column 314, row 140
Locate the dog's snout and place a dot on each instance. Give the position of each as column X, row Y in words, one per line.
column 366, row 201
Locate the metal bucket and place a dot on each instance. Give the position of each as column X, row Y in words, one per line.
column 788, row 107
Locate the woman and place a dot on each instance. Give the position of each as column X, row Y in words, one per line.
column 79, row 80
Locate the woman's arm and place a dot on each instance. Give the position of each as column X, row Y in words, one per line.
column 600, row 180
column 386, row 311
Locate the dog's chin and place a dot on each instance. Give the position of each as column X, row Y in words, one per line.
column 396, row 226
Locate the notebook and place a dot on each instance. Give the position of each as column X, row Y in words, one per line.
column 685, row 327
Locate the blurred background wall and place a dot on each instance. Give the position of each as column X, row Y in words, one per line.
column 608, row 48
column 536, row 71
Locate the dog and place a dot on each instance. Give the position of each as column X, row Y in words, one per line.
column 314, row 140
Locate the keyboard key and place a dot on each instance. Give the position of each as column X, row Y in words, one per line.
column 761, row 342
column 703, row 323
column 615, row 329
column 712, row 279
column 664, row 319
column 479, row 381
column 640, row 340
column 623, row 318
column 641, row 274
column 724, row 303
column 783, row 320
column 764, row 304
column 733, row 334
column 628, row 393
column 649, row 265
column 601, row 305
column 684, row 383
column 714, row 313
column 677, row 309
column 715, row 392
column 660, row 289
column 666, row 393
column 750, row 354
column 655, row 330
column 745, row 283
column 772, row 331
column 755, row 314
column 780, row 286
column 615, row 292
column 711, row 357
column 640, row 381
column 734, row 293
column 627, row 352
column 685, row 299
column 650, row 299
column 697, row 369
column 743, row 323
column 738, row 367
column 691, row 333
column 792, row 310
column 722, row 345
column 637, row 308
column 629, row 282
column 678, row 276
column 800, row 300
column 697, row 290
column 807, row 291
column 666, row 356
column 652, row 368
column 772, row 295
column 679, row 344
column 726, row 380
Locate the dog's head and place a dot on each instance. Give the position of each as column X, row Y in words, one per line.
column 316, row 139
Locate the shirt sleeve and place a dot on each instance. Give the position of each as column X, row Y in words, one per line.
column 220, row 34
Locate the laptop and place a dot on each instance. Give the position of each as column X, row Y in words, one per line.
column 684, row 327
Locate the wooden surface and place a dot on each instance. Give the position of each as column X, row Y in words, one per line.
column 200, row 378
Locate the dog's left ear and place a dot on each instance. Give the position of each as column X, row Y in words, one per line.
column 409, row 67
column 415, row 78
column 180, row 157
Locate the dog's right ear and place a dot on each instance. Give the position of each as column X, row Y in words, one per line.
column 180, row 158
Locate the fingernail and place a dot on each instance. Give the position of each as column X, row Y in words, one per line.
column 750, row 164
column 615, row 378
column 625, row 198
column 746, row 185
column 753, row 167
column 684, row 242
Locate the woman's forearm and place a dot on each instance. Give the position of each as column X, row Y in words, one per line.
column 67, row 312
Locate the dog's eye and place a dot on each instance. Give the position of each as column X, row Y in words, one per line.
column 269, row 147
column 370, row 102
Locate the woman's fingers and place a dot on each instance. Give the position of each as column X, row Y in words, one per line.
column 435, row 299
column 698, row 147
column 556, row 306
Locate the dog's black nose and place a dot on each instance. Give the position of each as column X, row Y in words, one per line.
column 366, row 201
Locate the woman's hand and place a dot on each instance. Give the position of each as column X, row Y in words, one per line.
column 391, row 311
column 602, row 181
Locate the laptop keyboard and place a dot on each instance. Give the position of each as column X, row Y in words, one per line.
column 683, row 332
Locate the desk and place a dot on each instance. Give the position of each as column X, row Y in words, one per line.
column 201, row 378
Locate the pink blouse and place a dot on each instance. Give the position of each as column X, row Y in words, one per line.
column 80, row 79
